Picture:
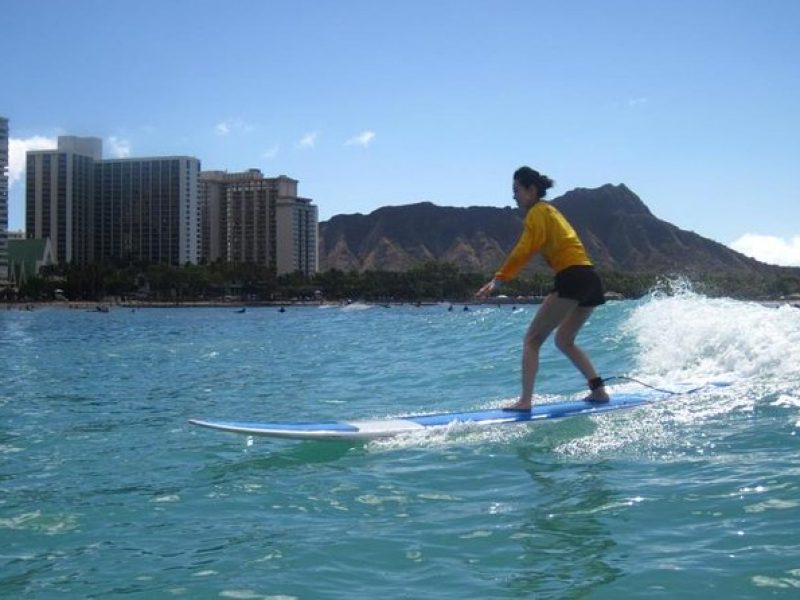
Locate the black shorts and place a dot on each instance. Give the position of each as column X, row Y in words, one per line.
column 581, row 283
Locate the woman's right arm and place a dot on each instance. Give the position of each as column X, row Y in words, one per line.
column 531, row 240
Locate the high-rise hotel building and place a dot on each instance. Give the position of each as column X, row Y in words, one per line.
column 145, row 210
column 124, row 210
column 59, row 197
column 3, row 199
column 246, row 217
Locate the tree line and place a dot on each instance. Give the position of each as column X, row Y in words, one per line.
column 431, row 281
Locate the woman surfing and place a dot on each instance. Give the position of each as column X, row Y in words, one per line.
column 576, row 292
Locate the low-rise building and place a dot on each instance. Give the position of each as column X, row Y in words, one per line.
column 27, row 257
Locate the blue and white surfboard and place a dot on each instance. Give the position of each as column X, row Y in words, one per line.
column 368, row 429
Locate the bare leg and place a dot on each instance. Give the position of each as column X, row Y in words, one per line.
column 565, row 341
column 552, row 312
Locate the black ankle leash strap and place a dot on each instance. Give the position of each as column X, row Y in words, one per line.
column 637, row 381
column 595, row 383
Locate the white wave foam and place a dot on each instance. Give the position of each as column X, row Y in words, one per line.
column 689, row 337
column 455, row 434
column 355, row 306
column 685, row 339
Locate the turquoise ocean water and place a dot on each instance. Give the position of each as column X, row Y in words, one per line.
column 106, row 491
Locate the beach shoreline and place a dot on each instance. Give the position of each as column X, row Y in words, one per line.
column 105, row 306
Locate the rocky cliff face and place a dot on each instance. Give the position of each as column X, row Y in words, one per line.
column 616, row 227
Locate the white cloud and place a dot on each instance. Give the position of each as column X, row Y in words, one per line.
column 119, row 148
column 362, row 139
column 637, row 101
column 271, row 153
column 769, row 249
column 17, row 149
column 229, row 126
column 309, row 140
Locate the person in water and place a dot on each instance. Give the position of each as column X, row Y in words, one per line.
column 577, row 290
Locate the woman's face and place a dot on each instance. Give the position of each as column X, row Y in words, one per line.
column 525, row 197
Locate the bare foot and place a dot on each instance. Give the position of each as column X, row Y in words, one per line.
column 519, row 406
column 598, row 395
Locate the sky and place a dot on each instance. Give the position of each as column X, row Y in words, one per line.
column 692, row 104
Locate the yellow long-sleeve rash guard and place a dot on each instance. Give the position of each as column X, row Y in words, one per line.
column 546, row 231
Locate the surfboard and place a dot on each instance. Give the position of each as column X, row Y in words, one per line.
column 369, row 429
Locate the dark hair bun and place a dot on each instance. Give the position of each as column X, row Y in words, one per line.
column 528, row 177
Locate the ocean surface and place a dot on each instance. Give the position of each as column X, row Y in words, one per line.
column 107, row 492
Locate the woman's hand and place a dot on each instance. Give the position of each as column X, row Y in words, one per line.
column 486, row 290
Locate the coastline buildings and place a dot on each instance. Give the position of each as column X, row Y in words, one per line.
column 3, row 199
column 129, row 209
column 246, row 217
column 164, row 210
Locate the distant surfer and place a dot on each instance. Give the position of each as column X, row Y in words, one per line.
column 576, row 292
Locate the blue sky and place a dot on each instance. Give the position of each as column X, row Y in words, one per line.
column 691, row 104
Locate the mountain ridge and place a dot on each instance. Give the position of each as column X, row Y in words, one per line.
column 617, row 228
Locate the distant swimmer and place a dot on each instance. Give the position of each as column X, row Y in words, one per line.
column 577, row 289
